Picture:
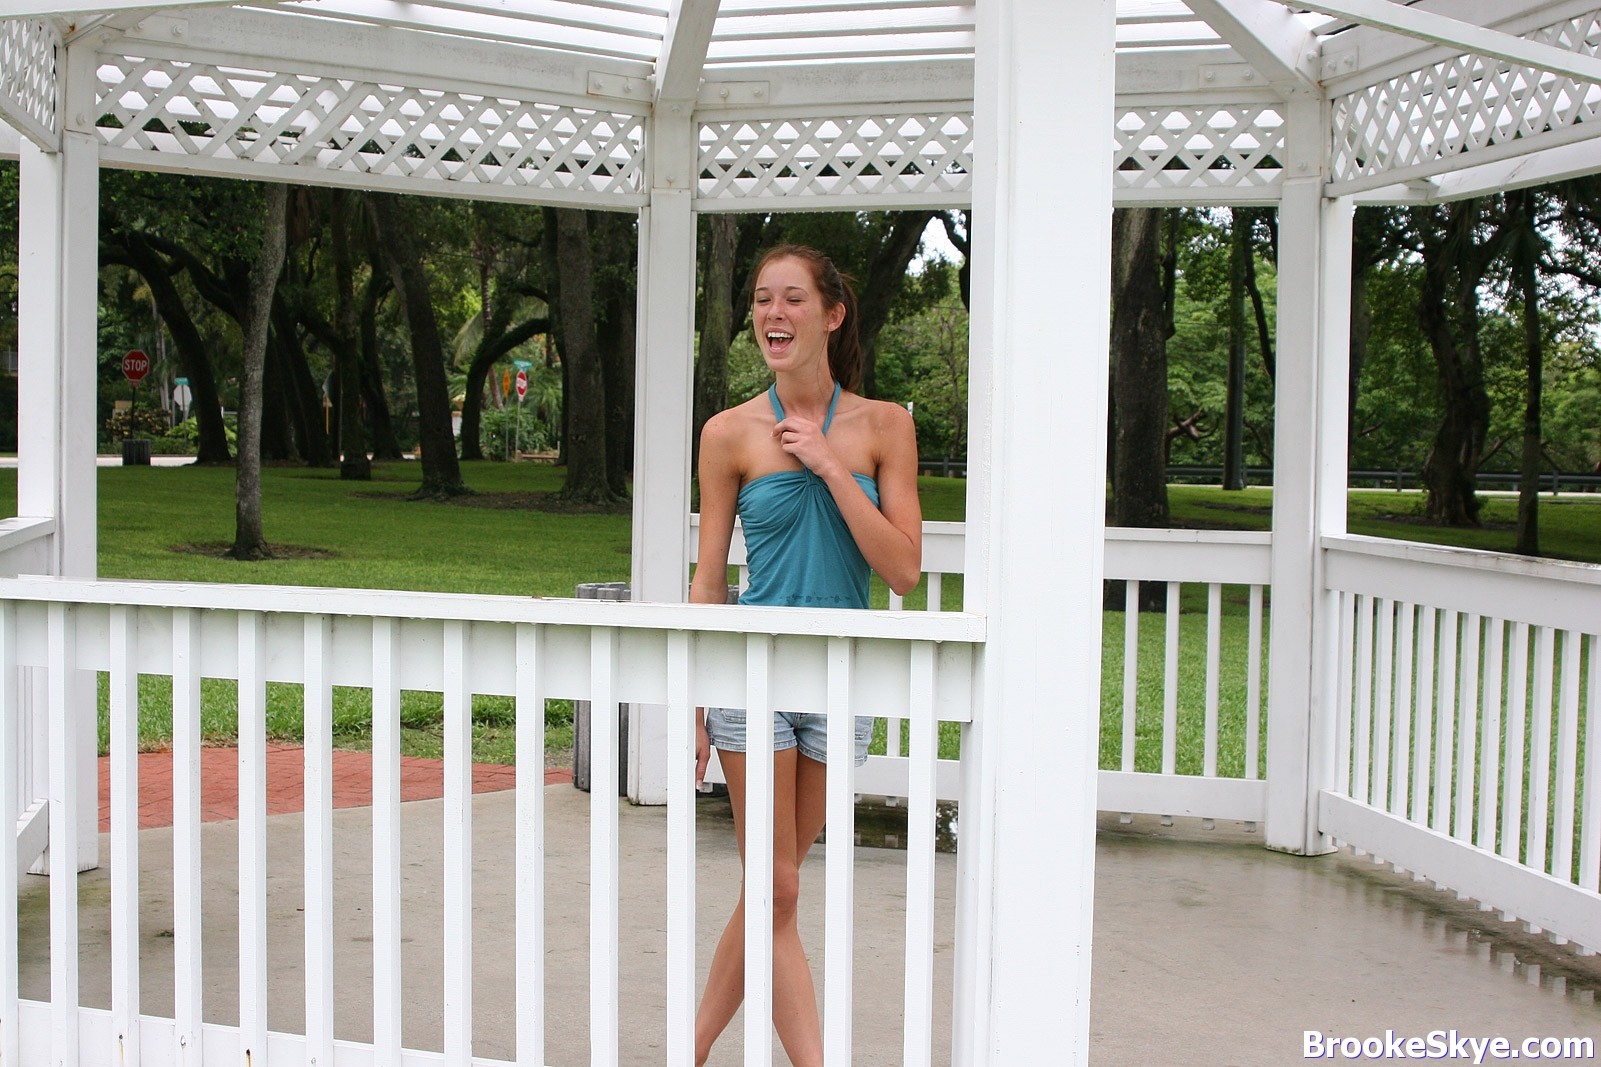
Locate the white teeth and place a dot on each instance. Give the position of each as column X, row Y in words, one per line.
column 780, row 336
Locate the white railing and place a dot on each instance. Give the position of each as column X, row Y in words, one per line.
column 1468, row 725
column 918, row 666
column 25, row 549
column 1192, row 717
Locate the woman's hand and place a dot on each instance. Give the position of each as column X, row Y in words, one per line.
column 803, row 439
column 703, row 748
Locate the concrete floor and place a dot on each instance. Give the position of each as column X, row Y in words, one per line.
column 1208, row 949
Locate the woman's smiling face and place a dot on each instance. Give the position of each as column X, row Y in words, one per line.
column 792, row 322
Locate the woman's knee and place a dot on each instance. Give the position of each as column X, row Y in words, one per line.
column 786, row 892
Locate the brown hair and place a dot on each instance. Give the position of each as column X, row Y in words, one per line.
column 844, row 345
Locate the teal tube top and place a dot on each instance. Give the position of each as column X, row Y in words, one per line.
column 798, row 548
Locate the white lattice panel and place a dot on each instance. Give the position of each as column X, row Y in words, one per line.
column 28, row 57
column 1189, row 147
column 1428, row 119
column 244, row 120
column 903, row 158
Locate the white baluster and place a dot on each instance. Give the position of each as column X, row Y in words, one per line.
column 680, row 852
column 186, row 854
column 124, row 798
column 318, row 753
column 758, row 852
column 839, row 924
column 919, row 1003
column 531, row 847
column 387, row 998
column 603, row 871
column 252, row 841
column 458, row 833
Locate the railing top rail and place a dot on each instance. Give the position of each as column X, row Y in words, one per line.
column 1472, row 559
column 1197, row 537
column 21, row 529
column 560, row 611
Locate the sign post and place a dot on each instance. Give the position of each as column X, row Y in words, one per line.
column 522, row 394
column 135, row 365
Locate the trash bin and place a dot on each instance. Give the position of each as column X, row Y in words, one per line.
column 582, row 710
column 135, row 452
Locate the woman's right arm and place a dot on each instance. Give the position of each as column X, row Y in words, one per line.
column 719, row 495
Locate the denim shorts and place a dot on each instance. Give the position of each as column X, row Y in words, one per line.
column 726, row 729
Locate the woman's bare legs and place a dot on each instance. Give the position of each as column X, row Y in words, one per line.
column 799, row 804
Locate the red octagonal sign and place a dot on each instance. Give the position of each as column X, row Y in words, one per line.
column 135, row 365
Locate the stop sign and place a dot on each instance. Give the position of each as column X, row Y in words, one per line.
column 135, row 365
column 522, row 384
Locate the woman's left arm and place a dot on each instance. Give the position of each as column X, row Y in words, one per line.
column 890, row 536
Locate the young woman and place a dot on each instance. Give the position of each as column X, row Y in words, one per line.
column 825, row 484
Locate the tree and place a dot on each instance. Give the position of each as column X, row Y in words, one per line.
column 512, row 309
column 1140, row 328
column 1526, row 248
column 1458, row 245
column 586, row 481
column 441, row 472
column 249, row 542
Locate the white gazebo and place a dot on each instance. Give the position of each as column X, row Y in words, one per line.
column 1422, row 704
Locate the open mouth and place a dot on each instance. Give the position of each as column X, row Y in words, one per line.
column 778, row 341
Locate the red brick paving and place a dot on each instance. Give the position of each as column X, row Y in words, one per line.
column 420, row 779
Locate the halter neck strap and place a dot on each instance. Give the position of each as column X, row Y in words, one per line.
column 778, row 408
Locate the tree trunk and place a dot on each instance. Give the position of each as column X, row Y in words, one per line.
column 277, row 431
column 586, row 480
column 716, row 324
column 1139, row 352
column 385, row 445
column 441, row 473
column 249, row 542
column 192, row 350
column 306, row 412
column 1527, row 281
column 354, row 466
column 1234, row 406
column 1449, row 312
column 617, row 339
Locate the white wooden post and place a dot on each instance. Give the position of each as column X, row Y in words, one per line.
column 1309, row 482
column 664, row 412
column 1042, row 210
column 58, row 291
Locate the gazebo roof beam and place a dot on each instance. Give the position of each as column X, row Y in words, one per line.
column 1435, row 28
column 637, row 41
column 261, row 40
column 689, row 33
column 830, row 48
column 1271, row 39
column 64, row 8
column 1518, row 172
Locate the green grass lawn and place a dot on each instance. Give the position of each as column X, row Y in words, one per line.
column 170, row 523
